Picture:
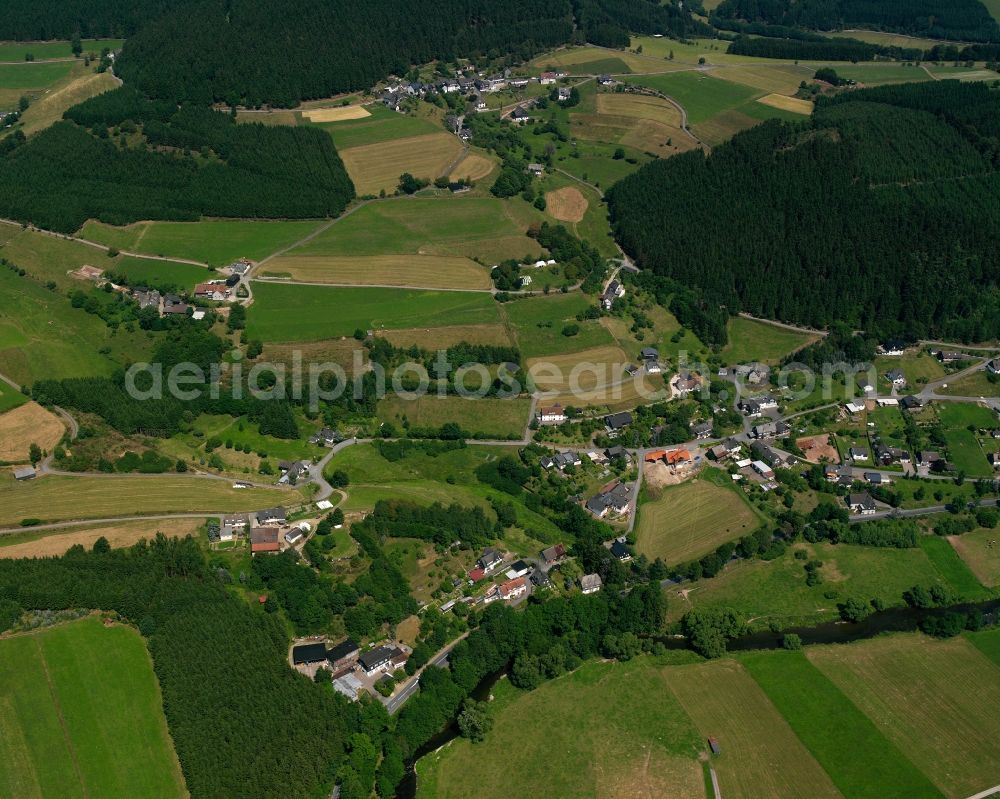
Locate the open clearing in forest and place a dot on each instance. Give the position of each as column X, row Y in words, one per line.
column 45, row 544
column 26, row 425
column 631, row 747
column 217, row 242
column 286, row 313
column 50, row 107
column 691, row 520
column 484, row 228
column 761, row 756
column 793, row 104
column 424, row 271
column 56, row 498
column 336, row 114
column 377, row 167
column 566, row 204
column 951, row 732
column 754, row 341
column 82, row 716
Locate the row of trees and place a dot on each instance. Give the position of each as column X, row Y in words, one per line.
column 877, row 212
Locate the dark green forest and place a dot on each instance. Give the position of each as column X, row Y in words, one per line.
column 962, row 20
column 40, row 20
column 818, row 49
column 120, row 158
column 880, row 211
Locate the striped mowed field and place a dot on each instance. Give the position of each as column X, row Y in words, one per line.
column 419, row 271
column 81, row 716
column 377, row 167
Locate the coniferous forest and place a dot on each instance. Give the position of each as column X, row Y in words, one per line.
column 120, row 157
column 880, row 211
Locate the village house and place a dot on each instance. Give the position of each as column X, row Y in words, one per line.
column 263, row 539
column 685, row 384
column 617, row 452
column 217, row 291
column 620, row 551
column 294, row 536
column 382, row 658
column 862, row 503
column 489, row 560
column 343, row 656
column 590, row 583
column 291, row 471
column 172, row 304
column 727, row 449
column 564, row 93
column 605, row 80
column 611, row 293
column 911, row 403
column 513, row 589
column 519, row 114
column 950, row 356
column 702, row 430
column 892, row 347
column 769, row 456
column 561, row 460
column 896, row 377
column 857, row 454
column 927, row 457
column 616, row 500
column 614, row 423
column 770, row 430
column 517, row 569
column 147, row 299
column 888, row 455
column 763, row 470
column 547, row 78
column 993, row 367
column 271, row 516
column 993, row 458
column 554, row 554
column 540, row 579
column 236, row 521
column 875, row 478
column 536, row 170
column 552, row 414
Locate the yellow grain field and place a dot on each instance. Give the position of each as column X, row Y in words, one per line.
column 640, row 107
column 26, row 425
column 118, row 535
column 419, row 271
column 566, row 204
column 587, row 369
column 779, row 78
column 793, row 104
column 377, row 167
column 432, row 338
column 336, row 114
column 473, row 167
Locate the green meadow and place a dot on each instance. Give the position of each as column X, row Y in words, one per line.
column 750, row 340
column 964, row 450
column 16, row 51
column 382, row 125
column 43, row 336
column 702, row 96
column 309, row 313
column 538, row 323
column 482, row 227
column 216, row 242
column 82, row 716
column 149, row 272
column 860, row 760
column 10, row 397
column 32, row 76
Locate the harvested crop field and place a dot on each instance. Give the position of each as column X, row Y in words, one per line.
column 950, row 733
column 566, row 204
column 26, row 425
column 818, row 449
column 374, row 167
column 414, row 271
column 761, row 756
column 336, row 114
column 343, row 351
column 587, row 370
column 691, row 520
column 793, row 104
column 640, row 107
column 432, row 338
column 473, row 167
column 42, row 545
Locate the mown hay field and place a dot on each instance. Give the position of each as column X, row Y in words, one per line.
column 793, row 104
column 54, row 498
column 566, row 204
column 493, row 418
column 951, row 732
column 26, row 425
column 377, row 167
column 82, row 716
column 586, row 369
column 338, row 114
column 45, row 544
column 433, row 338
column 473, row 166
column 691, row 520
column 761, row 756
column 421, row 271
